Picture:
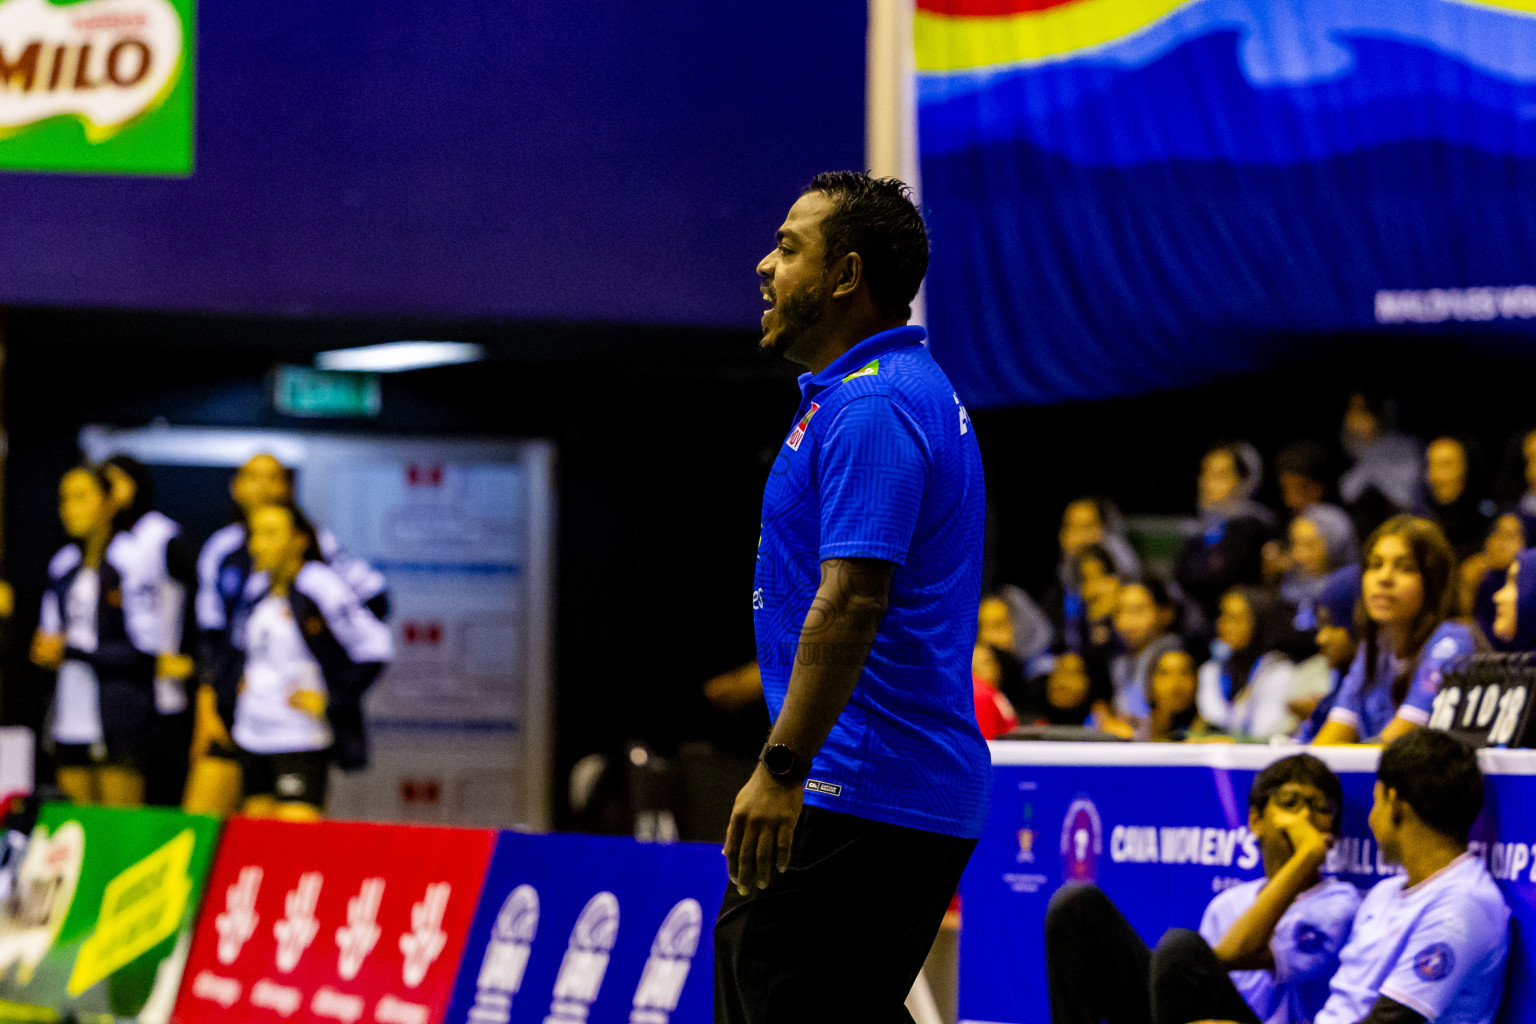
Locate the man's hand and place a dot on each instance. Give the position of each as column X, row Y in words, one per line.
column 1306, row 839
column 311, row 702
column 47, row 650
column 762, row 830
column 174, row 666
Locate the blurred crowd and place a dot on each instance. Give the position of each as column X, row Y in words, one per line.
column 225, row 676
column 1327, row 619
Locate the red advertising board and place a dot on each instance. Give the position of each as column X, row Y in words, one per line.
column 333, row 922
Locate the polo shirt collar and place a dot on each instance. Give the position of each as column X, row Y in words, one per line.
column 862, row 354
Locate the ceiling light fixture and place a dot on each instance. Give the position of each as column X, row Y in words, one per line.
column 399, row 356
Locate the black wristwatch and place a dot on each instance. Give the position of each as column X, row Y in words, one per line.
column 784, row 764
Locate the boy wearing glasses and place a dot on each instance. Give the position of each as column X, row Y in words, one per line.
column 1266, row 949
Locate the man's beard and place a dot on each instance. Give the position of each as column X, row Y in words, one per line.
column 797, row 314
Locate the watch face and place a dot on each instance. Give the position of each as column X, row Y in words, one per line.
column 779, row 759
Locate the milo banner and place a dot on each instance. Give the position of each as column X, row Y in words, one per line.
column 577, row 928
column 99, row 922
column 1162, row 828
column 97, row 85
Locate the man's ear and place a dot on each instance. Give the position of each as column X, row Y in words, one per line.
column 848, row 275
column 1397, row 808
column 1255, row 818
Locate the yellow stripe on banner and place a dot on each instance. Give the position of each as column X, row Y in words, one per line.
column 1523, row 6
column 955, row 43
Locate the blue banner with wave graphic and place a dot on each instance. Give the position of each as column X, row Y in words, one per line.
column 1131, row 195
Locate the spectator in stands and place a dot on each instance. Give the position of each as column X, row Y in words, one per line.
column 99, row 631
column 1233, row 528
column 1332, row 616
column 1086, row 522
column 1098, row 581
column 1265, row 949
column 1406, row 631
column 1246, row 687
column 1144, row 620
column 1075, row 689
column 1302, row 470
column 311, row 648
column 1174, row 716
column 1427, row 944
column 1384, row 477
column 1482, row 573
column 1322, row 539
column 170, row 568
column 994, row 712
column 1514, row 621
column 1526, row 508
column 1449, row 497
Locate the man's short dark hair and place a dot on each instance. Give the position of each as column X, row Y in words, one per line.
column 1437, row 775
column 876, row 218
column 1304, row 769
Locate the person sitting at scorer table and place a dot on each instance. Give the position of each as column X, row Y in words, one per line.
column 1429, row 943
column 310, row 650
column 100, row 631
column 1406, row 634
column 1279, row 936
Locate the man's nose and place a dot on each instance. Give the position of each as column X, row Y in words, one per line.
column 765, row 267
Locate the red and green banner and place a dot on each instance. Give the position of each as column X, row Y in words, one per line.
column 101, row 917
column 97, row 86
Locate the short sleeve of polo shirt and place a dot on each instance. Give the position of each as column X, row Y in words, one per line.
column 874, row 465
column 1449, row 642
column 1349, row 708
column 1446, row 945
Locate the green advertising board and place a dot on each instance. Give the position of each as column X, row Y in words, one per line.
column 100, row 922
column 101, row 86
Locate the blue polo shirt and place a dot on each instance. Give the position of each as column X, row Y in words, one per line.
column 881, row 462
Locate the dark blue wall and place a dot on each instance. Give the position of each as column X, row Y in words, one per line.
column 611, row 160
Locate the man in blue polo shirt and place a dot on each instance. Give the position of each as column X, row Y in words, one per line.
column 846, row 845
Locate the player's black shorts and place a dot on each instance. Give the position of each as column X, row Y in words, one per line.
column 89, row 755
column 297, row 777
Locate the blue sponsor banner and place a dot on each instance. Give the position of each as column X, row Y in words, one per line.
column 1163, row 828
column 573, row 928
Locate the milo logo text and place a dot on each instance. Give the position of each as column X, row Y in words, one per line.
column 104, row 61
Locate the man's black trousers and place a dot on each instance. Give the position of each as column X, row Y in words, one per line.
column 840, row 936
column 1098, row 969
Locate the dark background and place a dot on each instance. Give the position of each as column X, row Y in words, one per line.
column 665, row 438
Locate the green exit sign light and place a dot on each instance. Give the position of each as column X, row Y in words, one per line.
column 304, row 391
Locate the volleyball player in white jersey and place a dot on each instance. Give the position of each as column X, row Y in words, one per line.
column 166, row 567
column 223, row 574
column 310, row 649
column 101, row 632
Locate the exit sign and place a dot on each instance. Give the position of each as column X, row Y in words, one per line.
column 304, row 391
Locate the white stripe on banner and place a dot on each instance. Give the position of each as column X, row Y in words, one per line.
column 1222, row 755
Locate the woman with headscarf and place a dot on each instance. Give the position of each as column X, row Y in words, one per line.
column 1450, row 495
column 1331, row 615
column 1513, row 627
column 1322, row 540
column 1086, row 522
column 1246, row 686
column 1228, row 550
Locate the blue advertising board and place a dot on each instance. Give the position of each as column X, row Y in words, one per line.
column 573, row 928
column 1163, row 828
